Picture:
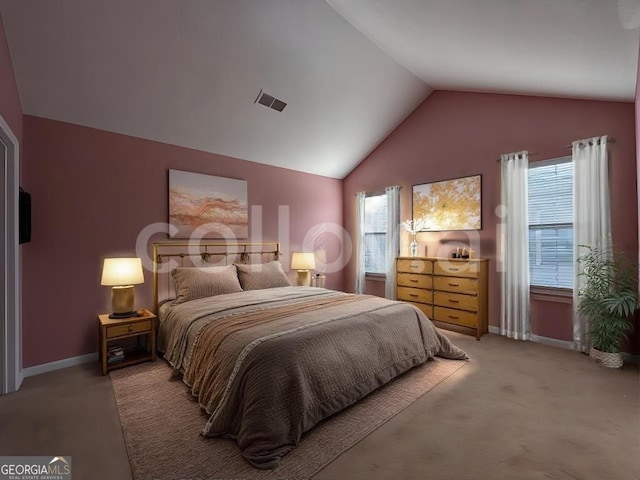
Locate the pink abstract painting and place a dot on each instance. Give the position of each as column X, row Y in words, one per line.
column 206, row 206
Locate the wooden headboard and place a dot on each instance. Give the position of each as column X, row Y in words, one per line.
column 169, row 255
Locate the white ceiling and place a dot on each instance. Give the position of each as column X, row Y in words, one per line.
column 188, row 72
column 569, row 48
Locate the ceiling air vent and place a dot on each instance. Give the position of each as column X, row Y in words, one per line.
column 269, row 101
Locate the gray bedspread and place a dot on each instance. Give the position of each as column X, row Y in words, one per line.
column 268, row 365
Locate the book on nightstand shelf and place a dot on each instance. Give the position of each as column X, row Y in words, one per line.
column 115, row 354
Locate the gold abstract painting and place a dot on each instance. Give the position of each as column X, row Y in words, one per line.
column 450, row 204
column 205, row 206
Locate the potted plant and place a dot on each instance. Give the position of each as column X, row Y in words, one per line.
column 608, row 299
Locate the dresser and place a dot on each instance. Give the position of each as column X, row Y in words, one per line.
column 451, row 292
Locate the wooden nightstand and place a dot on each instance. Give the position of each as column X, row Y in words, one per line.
column 141, row 326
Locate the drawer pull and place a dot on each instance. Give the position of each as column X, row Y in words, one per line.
column 454, row 301
column 454, row 284
column 413, row 295
column 453, row 317
column 415, row 266
column 131, row 328
column 454, row 269
column 413, row 280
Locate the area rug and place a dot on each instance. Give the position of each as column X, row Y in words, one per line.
column 162, row 425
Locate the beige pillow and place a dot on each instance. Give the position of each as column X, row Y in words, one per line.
column 263, row 275
column 193, row 283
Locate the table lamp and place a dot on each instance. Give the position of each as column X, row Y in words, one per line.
column 303, row 262
column 122, row 274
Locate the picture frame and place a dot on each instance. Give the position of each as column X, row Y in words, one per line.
column 449, row 205
column 207, row 206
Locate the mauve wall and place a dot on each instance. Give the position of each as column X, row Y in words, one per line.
column 636, row 337
column 94, row 191
column 637, row 111
column 10, row 108
column 454, row 134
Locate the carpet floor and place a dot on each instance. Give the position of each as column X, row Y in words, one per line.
column 161, row 422
column 517, row 410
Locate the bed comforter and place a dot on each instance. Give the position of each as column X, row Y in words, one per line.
column 268, row 365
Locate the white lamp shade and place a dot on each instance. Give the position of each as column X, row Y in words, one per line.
column 303, row 261
column 122, row 271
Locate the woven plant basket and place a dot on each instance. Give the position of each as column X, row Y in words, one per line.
column 595, row 354
column 610, row 360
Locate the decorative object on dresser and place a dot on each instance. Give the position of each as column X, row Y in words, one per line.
column 414, row 227
column 450, row 204
column 303, row 262
column 116, row 355
column 122, row 274
column 207, row 206
column 451, row 292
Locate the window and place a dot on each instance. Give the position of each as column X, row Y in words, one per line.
column 551, row 223
column 375, row 233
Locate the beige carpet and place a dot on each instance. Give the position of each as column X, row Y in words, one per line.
column 162, row 424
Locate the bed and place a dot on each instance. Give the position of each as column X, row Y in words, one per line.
column 266, row 360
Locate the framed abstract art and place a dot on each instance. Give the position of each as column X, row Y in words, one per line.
column 449, row 204
column 206, row 206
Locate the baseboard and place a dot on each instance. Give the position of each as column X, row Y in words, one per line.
column 20, row 379
column 630, row 358
column 554, row 342
column 59, row 364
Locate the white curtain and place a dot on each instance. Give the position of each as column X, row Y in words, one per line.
column 393, row 239
column 591, row 214
column 359, row 285
column 514, row 247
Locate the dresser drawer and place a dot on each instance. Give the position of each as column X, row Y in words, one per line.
column 457, row 317
column 456, row 300
column 458, row 269
column 426, row 309
column 456, row 285
column 414, row 266
column 130, row 328
column 415, row 295
column 415, row 280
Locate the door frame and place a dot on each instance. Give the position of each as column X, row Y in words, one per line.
column 11, row 375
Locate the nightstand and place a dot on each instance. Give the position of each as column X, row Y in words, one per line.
column 142, row 326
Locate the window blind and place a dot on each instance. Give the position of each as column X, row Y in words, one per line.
column 551, row 223
column 375, row 233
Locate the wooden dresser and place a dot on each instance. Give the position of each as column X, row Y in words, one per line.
column 449, row 291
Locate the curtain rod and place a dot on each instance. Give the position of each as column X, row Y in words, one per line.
column 532, row 154
column 609, row 140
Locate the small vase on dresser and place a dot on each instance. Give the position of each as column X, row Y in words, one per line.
column 414, row 246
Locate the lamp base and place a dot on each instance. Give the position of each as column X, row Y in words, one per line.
column 122, row 299
column 304, row 278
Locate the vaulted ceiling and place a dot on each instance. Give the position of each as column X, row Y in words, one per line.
column 188, row 72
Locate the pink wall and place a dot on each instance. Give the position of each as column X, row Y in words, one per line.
column 637, row 112
column 10, row 108
column 454, row 134
column 92, row 193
